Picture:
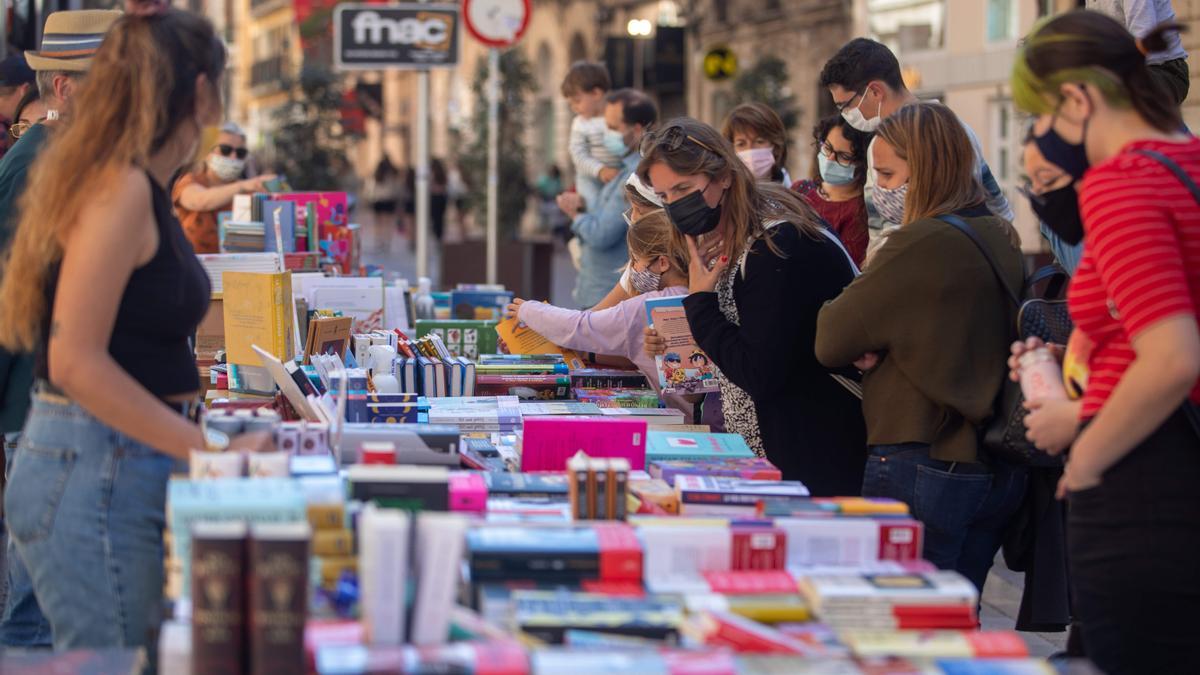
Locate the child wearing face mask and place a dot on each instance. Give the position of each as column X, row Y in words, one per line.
column 657, row 268
column 760, row 139
column 835, row 191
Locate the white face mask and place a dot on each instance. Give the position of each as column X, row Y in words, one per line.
column 760, row 161
column 855, row 118
column 227, row 169
column 890, row 202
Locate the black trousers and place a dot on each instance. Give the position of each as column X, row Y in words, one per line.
column 1134, row 553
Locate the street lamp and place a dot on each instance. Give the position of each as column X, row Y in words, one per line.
column 638, row 28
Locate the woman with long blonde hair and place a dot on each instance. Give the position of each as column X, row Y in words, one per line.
column 753, row 307
column 102, row 285
column 930, row 324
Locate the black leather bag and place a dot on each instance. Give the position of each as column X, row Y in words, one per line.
column 1045, row 317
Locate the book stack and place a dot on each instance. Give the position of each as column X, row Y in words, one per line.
column 549, row 615
column 606, row 552
column 249, row 591
column 619, row 398
column 333, row 549
column 217, row 264
column 608, row 378
column 723, row 495
column 755, row 468
column 929, row 600
column 766, row 596
column 493, row 414
column 541, row 377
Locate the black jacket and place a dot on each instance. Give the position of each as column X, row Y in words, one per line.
column 812, row 428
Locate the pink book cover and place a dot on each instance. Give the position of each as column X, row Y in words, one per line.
column 468, row 492
column 549, row 443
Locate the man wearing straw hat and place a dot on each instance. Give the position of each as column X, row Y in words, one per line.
column 69, row 41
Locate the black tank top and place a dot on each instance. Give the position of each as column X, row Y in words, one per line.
column 163, row 303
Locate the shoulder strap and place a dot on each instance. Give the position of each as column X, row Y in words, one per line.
column 1055, row 274
column 962, row 226
column 1191, row 411
column 1175, row 169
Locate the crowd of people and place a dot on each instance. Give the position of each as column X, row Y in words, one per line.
column 857, row 319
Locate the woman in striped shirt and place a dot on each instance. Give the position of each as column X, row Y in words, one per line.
column 1133, row 476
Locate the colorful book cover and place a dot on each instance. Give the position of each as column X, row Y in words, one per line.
column 620, row 398
column 682, row 445
column 684, row 368
column 285, row 211
column 468, row 338
column 734, row 467
column 726, row 490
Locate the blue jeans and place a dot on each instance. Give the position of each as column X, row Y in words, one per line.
column 86, row 507
column 964, row 507
column 21, row 620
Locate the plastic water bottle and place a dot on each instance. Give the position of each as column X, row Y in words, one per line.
column 423, row 302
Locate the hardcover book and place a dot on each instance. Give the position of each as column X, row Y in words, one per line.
column 218, row 558
column 684, row 368
column 257, row 312
column 690, row 446
column 549, row 442
column 278, row 596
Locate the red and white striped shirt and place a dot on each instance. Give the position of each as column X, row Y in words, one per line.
column 1141, row 260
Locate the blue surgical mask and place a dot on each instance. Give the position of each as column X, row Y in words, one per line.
column 614, row 142
column 834, row 173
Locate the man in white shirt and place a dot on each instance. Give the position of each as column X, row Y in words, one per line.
column 864, row 80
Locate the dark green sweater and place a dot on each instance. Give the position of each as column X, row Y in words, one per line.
column 931, row 306
column 16, row 370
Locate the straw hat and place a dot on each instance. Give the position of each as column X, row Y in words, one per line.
column 70, row 39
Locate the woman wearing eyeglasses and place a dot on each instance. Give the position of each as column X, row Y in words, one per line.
column 209, row 189
column 836, row 190
column 753, row 307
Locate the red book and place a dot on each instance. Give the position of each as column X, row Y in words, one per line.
column 723, row 629
column 620, row 552
column 759, row 582
column 759, row 548
column 900, row 540
column 997, row 644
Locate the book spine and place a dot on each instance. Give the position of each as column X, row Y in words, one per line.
column 279, row 605
column 218, row 605
column 484, row 378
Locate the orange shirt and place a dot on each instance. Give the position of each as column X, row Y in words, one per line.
column 199, row 226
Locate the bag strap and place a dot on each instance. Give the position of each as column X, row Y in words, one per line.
column 1190, row 410
column 962, row 226
column 1058, row 278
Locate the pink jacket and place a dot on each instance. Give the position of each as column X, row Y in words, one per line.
column 616, row 331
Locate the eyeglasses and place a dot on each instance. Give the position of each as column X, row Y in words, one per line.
column 671, row 139
column 843, row 158
column 228, row 150
column 19, row 128
column 841, row 107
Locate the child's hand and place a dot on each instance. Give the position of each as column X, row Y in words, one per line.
column 607, row 173
column 513, row 308
column 654, row 345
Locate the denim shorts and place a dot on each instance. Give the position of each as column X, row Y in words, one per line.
column 85, row 506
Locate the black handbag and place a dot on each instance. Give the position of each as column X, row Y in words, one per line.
column 1003, row 435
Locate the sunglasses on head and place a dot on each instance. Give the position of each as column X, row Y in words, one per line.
column 228, row 150
column 671, row 139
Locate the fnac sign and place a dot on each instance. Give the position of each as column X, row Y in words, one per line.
column 378, row 37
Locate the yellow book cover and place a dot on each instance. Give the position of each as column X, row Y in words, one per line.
column 522, row 339
column 257, row 310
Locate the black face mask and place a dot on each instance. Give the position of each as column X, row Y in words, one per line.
column 1059, row 210
column 692, row 215
column 1069, row 157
